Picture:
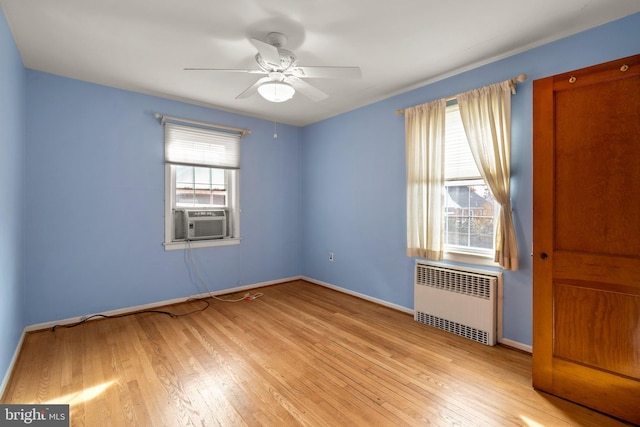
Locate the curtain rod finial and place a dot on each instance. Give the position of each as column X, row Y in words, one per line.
column 521, row 78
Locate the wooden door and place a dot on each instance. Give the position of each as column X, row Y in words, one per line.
column 586, row 237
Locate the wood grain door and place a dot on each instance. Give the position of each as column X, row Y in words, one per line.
column 586, row 236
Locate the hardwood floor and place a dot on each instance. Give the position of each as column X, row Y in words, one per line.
column 300, row 355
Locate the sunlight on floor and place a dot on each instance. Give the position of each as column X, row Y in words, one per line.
column 530, row 422
column 82, row 396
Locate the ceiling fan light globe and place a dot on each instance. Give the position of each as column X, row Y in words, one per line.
column 276, row 91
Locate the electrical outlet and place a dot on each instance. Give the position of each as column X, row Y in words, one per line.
column 330, row 256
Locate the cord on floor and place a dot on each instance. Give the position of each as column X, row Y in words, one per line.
column 247, row 297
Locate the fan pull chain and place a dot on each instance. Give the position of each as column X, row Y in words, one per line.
column 275, row 132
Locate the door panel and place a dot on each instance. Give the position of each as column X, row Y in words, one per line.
column 587, row 237
column 593, row 161
column 588, row 319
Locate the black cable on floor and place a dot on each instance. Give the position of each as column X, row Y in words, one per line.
column 115, row 316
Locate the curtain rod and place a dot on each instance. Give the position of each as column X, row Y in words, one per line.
column 164, row 118
column 517, row 79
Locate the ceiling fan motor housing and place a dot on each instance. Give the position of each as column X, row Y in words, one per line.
column 287, row 60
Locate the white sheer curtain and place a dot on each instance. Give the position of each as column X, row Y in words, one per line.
column 425, row 130
column 486, row 116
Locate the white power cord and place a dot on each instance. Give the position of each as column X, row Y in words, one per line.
column 247, row 297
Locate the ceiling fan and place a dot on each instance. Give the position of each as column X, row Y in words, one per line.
column 283, row 75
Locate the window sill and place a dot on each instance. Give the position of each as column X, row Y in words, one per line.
column 471, row 258
column 193, row 244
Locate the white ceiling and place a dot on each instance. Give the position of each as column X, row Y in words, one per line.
column 143, row 45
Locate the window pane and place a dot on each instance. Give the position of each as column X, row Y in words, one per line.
column 469, row 216
column 184, row 186
column 203, row 177
column 200, row 187
column 184, row 173
column 481, row 232
column 184, row 197
column 218, row 178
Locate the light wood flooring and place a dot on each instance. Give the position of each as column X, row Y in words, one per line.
column 300, row 355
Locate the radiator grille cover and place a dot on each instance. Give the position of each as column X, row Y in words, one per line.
column 462, row 282
column 453, row 327
column 459, row 301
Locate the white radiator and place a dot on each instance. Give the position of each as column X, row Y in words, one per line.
column 456, row 300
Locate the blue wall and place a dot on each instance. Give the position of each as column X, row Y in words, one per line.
column 354, row 177
column 12, row 170
column 95, row 202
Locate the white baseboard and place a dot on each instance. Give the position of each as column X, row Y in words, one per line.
column 14, row 359
column 71, row 320
column 359, row 295
column 517, row 345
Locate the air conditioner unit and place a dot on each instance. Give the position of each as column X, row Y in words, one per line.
column 200, row 224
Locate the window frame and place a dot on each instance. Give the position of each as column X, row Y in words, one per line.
column 233, row 206
column 200, row 136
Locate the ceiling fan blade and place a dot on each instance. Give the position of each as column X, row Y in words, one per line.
column 328, row 72
column 306, row 89
column 253, row 89
column 229, row 70
column 269, row 53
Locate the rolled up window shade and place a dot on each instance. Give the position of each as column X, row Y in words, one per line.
column 459, row 161
column 193, row 146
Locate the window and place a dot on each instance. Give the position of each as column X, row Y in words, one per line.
column 469, row 207
column 439, row 165
column 201, row 174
